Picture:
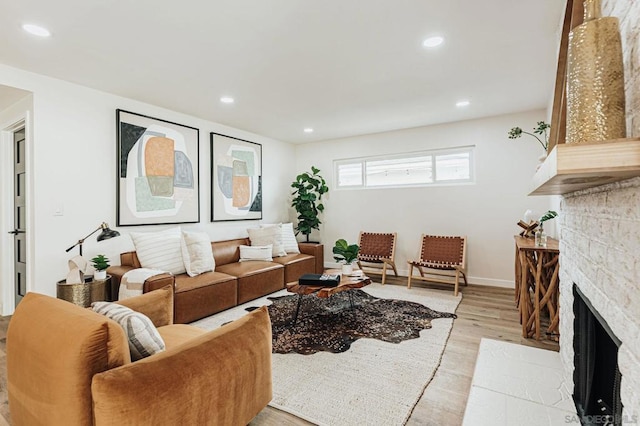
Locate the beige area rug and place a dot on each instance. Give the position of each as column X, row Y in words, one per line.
column 373, row 383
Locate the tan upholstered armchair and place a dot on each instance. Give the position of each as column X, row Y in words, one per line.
column 441, row 256
column 67, row 365
column 377, row 250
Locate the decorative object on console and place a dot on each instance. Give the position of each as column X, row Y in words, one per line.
column 236, row 179
column 157, row 171
column 307, row 197
column 595, row 79
column 541, row 236
column 77, row 269
column 100, row 263
column 346, row 254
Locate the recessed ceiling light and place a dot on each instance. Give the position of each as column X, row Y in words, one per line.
column 227, row 100
column 308, row 130
column 433, row 41
column 461, row 104
column 36, row 30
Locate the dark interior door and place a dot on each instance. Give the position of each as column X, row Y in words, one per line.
column 20, row 214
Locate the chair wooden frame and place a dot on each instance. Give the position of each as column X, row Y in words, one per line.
column 378, row 260
column 443, row 265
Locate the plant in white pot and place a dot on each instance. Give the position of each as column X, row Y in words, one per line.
column 346, row 254
column 100, row 264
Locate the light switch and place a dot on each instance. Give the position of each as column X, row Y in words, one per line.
column 58, row 210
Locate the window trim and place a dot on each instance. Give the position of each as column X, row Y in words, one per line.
column 433, row 153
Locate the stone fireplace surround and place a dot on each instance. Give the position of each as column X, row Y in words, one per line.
column 600, row 253
column 600, row 239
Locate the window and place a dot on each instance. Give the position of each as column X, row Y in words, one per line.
column 409, row 169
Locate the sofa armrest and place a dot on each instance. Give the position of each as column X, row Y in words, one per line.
column 116, row 272
column 220, row 377
column 157, row 305
column 153, row 283
column 317, row 251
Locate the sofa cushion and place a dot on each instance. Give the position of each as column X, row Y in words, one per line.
column 244, row 269
column 160, row 250
column 144, row 339
column 256, row 252
column 289, row 241
column 268, row 235
column 156, row 304
column 196, row 253
column 187, row 283
column 177, row 334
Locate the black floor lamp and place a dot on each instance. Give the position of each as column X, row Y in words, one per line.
column 104, row 235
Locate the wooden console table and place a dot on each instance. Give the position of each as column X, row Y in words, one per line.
column 537, row 286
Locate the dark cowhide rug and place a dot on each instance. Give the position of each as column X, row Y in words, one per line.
column 331, row 325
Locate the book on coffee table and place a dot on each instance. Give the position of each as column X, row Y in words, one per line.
column 323, row 280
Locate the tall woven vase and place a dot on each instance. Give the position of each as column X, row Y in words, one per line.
column 595, row 79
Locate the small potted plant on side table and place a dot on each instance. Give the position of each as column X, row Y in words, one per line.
column 540, row 235
column 346, row 254
column 100, row 264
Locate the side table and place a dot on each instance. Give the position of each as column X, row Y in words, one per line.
column 537, row 285
column 83, row 294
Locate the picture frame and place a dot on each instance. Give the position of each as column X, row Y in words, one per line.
column 236, row 179
column 157, row 171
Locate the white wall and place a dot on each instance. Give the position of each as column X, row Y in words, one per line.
column 74, row 168
column 487, row 211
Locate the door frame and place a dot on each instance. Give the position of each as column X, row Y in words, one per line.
column 7, row 270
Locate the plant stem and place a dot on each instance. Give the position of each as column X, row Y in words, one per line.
column 541, row 143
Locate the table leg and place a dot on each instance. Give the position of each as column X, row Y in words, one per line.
column 295, row 317
column 524, row 293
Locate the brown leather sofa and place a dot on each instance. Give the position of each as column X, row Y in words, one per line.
column 68, row 365
column 232, row 283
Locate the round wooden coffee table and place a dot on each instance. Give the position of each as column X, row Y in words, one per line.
column 356, row 280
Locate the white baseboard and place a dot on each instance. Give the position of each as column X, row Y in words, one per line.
column 493, row 282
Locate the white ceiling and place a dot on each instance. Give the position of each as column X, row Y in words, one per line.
column 342, row 67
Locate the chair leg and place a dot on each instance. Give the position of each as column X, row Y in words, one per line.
column 455, row 290
column 359, row 265
column 395, row 271
column 409, row 277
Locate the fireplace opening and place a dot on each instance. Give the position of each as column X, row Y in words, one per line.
column 596, row 376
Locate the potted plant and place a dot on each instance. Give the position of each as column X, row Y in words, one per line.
column 100, row 263
column 307, row 197
column 346, row 254
column 541, row 236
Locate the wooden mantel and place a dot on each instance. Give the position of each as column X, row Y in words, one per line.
column 572, row 167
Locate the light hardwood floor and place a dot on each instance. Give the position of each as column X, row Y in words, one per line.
column 484, row 312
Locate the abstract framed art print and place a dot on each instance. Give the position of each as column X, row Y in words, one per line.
column 157, row 172
column 236, row 179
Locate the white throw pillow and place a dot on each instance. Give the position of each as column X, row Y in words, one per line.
column 160, row 250
column 196, row 253
column 256, row 253
column 144, row 339
column 289, row 241
column 268, row 235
